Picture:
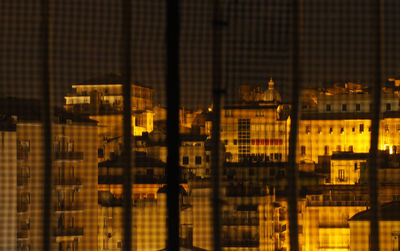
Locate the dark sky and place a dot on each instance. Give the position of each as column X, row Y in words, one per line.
column 337, row 44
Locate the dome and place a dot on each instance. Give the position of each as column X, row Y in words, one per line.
column 271, row 95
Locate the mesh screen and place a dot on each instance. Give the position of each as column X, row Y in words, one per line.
column 247, row 125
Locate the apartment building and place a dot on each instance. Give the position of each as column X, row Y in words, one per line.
column 9, row 186
column 339, row 119
column 257, row 126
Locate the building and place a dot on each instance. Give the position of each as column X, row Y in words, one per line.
column 9, row 175
column 325, row 223
column 258, row 126
column 102, row 100
column 339, row 119
column 346, row 167
column 104, row 95
column 73, row 218
column 389, row 228
column 149, row 212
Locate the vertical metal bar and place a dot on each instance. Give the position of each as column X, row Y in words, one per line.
column 173, row 141
column 373, row 162
column 127, row 118
column 292, row 173
column 215, row 157
column 46, row 117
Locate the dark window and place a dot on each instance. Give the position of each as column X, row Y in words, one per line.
column 185, row 160
column 388, row 107
column 100, row 153
column 328, row 108
column 235, row 141
column 350, row 148
column 361, row 128
column 207, row 158
column 198, row 160
column 344, row 107
column 358, row 107
column 303, row 150
column 326, row 150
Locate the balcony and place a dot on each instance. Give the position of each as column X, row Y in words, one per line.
column 22, row 245
column 22, row 207
column 22, row 181
column 22, row 234
column 68, row 156
column 64, row 208
column 337, row 203
column 280, row 228
column 22, row 155
column 69, row 182
column 68, row 231
column 240, row 221
column 241, row 243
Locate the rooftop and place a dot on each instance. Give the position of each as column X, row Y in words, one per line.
column 388, row 212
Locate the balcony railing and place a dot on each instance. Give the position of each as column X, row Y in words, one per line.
column 22, row 155
column 68, row 156
column 337, row 203
column 68, row 231
column 69, row 182
column 68, row 207
column 240, row 221
column 22, row 207
column 22, row 234
column 22, row 180
column 240, row 243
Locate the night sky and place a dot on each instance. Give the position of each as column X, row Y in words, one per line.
column 337, row 44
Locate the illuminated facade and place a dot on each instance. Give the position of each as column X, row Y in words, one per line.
column 256, row 128
column 339, row 119
column 389, row 228
column 105, row 95
column 102, row 100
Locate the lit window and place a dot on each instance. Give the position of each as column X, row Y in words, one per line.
column 228, row 113
column 338, row 148
column 259, row 113
column 308, row 129
column 341, row 174
column 350, row 148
